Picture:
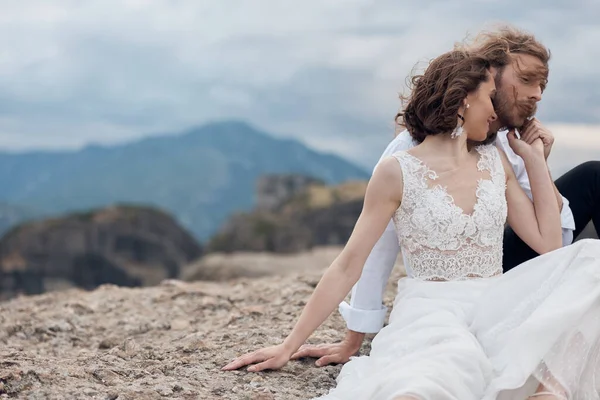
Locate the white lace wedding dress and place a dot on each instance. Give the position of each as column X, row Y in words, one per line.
column 462, row 330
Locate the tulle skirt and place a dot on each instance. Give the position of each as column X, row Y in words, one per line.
column 493, row 338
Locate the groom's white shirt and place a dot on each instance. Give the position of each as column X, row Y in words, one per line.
column 366, row 312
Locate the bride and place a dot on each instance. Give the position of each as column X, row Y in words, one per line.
column 460, row 329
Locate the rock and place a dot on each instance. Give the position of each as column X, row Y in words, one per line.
column 221, row 267
column 117, row 352
column 122, row 245
column 274, row 190
column 130, row 347
column 108, row 343
column 263, row 396
column 164, row 391
column 257, row 310
column 106, row 377
column 177, row 388
column 59, row 326
column 192, row 342
column 225, row 320
column 174, row 283
column 179, row 324
column 308, row 214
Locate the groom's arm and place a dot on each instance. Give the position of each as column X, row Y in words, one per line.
column 566, row 215
column 366, row 312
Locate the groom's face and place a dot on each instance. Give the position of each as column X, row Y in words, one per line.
column 519, row 88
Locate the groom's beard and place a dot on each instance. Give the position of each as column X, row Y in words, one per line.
column 512, row 113
column 521, row 111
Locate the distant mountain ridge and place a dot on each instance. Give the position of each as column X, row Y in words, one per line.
column 200, row 176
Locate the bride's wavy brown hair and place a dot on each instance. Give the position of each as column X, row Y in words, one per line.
column 436, row 95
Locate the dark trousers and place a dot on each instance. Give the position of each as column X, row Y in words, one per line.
column 581, row 186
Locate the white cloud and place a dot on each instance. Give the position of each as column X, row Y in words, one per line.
column 75, row 72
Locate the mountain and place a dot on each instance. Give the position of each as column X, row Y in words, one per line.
column 201, row 175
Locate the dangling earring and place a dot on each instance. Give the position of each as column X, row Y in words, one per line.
column 459, row 128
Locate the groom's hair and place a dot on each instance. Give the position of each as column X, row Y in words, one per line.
column 501, row 45
column 437, row 94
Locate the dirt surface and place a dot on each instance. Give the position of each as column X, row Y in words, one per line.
column 167, row 341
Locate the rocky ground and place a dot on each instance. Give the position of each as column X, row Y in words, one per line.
column 167, row 341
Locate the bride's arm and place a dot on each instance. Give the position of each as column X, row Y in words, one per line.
column 382, row 199
column 537, row 223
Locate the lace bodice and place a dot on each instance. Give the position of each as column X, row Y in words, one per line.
column 439, row 240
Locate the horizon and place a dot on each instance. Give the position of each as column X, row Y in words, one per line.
column 583, row 139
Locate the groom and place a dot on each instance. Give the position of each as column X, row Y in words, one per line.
column 520, row 69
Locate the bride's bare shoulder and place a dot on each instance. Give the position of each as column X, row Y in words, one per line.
column 387, row 177
column 389, row 167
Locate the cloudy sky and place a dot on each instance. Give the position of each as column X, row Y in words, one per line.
column 327, row 72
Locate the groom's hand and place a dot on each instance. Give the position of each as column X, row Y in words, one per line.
column 533, row 130
column 524, row 149
column 337, row 353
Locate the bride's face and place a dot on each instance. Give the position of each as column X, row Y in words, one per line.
column 480, row 113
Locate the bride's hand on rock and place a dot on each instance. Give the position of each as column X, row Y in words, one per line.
column 337, row 353
column 273, row 357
